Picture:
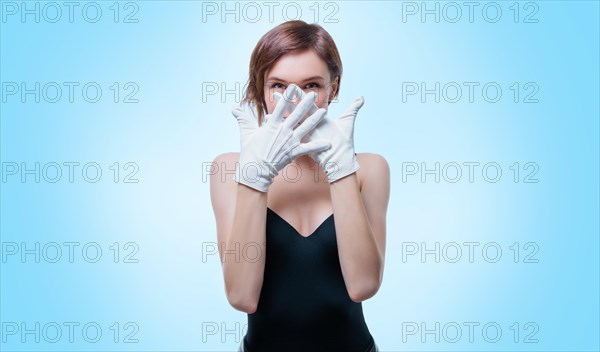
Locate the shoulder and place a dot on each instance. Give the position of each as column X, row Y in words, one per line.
column 227, row 157
column 373, row 166
column 372, row 159
column 224, row 163
column 222, row 168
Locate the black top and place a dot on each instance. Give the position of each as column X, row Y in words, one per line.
column 304, row 304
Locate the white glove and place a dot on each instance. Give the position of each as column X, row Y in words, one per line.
column 339, row 160
column 265, row 150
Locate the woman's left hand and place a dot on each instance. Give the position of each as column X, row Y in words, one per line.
column 339, row 160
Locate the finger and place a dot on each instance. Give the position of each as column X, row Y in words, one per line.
column 244, row 121
column 347, row 120
column 237, row 111
column 310, row 123
column 355, row 106
column 299, row 94
column 277, row 96
column 283, row 105
column 310, row 147
column 312, row 110
column 301, row 110
column 296, row 94
column 266, row 119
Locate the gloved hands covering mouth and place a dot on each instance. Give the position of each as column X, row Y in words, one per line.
column 339, row 160
column 267, row 149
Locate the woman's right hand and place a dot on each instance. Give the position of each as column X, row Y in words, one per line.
column 265, row 150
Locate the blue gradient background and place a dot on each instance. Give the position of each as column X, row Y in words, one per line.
column 175, row 295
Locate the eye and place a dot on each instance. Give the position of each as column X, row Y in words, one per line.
column 313, row 85
column 277, row 86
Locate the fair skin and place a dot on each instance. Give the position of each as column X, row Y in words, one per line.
column 302, row 196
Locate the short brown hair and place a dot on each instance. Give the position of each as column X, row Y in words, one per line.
column 289, row 36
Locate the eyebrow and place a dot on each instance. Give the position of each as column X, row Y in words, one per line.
column 305, row 80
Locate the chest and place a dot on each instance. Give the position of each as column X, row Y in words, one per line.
column 303, row 207
column 293, row 253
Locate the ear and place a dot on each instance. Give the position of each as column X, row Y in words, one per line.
column 334, row 89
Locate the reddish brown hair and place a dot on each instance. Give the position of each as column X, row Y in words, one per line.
column 287, row 37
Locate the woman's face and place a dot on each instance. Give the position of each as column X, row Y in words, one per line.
column 304, row 69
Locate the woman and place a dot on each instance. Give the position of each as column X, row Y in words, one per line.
column 304, row 244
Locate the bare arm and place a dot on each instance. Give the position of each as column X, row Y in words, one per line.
column 360, row 217
column 240, row 213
